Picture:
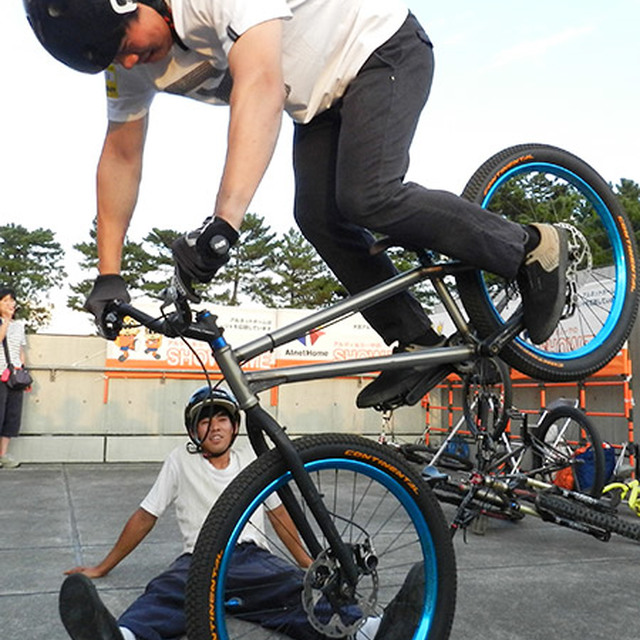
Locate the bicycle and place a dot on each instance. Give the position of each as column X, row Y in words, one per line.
column 515, row 495
column 364, row 515
column 563, row 451
column 563, row 447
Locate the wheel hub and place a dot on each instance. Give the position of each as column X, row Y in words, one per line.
column 333, row 606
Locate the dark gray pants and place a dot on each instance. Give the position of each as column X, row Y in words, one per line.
column 261, row 588
column 350, row 163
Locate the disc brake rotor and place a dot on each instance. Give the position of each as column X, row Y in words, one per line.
column 321, row 588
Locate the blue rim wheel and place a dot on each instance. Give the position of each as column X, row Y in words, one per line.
column 539, row 183
column 382, row 510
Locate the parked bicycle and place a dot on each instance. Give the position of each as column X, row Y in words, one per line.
column 556, row 471
column 515, row 495
column 563, row 448
column 363, row 513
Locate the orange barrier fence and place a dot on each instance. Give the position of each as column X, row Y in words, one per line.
column 445, row 399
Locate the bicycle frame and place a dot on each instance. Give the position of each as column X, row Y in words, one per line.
column 261, row 380
column 521, row 489
column 245, row 385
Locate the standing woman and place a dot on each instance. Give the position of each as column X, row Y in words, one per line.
column 10, row 399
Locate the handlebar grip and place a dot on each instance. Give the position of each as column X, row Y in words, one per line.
column 111, row 324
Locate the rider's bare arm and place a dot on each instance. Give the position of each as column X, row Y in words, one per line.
column 118, row 180
column 257, row 102
column 287, row 532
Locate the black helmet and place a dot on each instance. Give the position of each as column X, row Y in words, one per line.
column 84, row 34
column 202, row 404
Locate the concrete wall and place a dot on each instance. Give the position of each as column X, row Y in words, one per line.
column 75, row 413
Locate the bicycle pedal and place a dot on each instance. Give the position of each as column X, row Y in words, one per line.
column 432, row 475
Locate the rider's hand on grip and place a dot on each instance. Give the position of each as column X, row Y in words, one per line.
column 107, row 289
column 199, row 254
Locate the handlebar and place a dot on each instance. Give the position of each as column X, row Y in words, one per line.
column 179, row 322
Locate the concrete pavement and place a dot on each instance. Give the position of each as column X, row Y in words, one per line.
column 524, row 581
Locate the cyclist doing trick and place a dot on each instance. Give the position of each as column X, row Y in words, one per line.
column 354, row 75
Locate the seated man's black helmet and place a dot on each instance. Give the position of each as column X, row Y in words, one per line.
column 205, row 403
column 84, row 34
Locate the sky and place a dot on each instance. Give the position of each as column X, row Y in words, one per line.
column 563, row 72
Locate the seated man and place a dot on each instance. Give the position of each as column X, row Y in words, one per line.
column 192, row 478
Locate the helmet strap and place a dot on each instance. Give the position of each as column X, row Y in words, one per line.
column 164, row 10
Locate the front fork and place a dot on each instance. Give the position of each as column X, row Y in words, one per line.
column 260, row 422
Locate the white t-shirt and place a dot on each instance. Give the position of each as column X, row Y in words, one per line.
column 325, row 43
column 193, row 484
column 16, row 339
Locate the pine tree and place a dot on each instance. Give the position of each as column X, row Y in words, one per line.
column 31, row 264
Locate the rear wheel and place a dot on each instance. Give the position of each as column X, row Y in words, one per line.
column 539, row 183
column 568, row 451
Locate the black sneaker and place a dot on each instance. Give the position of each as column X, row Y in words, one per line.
column 83, row 614
column 543, row 280
column 398, row 387
column 403, row 614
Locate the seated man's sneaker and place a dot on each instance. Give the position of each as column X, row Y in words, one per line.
column 403, row 614
column 542, row 279
column 398, row 387
column 83, row 614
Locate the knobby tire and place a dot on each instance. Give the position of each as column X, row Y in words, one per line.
column 539, row 183
column 372, row 494
column 577, row 512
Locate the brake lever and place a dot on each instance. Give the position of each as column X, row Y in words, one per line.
column 183, row 285
column 169, row 295
column 173, row 295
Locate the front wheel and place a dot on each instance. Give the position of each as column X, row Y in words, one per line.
column 385, row 514
column 540, row 183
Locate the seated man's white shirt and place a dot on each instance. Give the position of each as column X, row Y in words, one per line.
column 193, row 484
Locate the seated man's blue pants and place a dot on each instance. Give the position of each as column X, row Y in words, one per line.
column 260, row 588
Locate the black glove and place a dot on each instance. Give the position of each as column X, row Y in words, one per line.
column 199, row 254
column 106, row 289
